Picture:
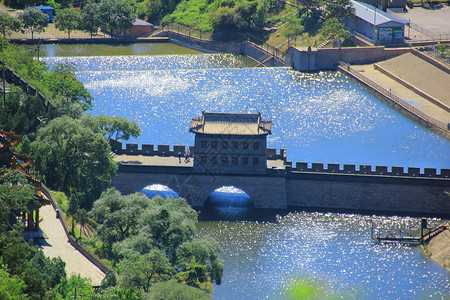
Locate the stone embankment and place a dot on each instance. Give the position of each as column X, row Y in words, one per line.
column 438, row 248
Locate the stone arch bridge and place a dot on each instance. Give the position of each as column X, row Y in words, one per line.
column 365, row 190
column 266, row 191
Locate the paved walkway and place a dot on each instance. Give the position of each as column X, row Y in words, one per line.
column 173, row 161
column 56, row 244
column 420, row 74
column 403, row 92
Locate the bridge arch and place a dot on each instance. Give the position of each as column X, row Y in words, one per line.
column 156, row 189
column 228, row 196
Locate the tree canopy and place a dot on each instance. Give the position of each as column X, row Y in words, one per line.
column 15, row 193
column 67, row 20
column 154, row 240
column 33, row 20
column 118, row 127
column 74, row 157
column 8, row 24
column 89, row 18
column 116, row 15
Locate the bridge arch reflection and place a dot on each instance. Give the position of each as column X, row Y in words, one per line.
column 159, row 190
column 229, row 196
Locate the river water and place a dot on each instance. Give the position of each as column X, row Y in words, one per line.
column 322, row 117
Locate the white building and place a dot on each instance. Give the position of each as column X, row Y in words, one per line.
column 377, row 25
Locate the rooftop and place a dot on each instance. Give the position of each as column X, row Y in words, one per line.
column 372, row 15
column 231, row 124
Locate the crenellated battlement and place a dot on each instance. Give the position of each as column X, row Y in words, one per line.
column 272, row 154
column 168, row 151
column 148, row 149
column 368, row 170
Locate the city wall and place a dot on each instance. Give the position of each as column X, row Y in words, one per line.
column 172, row 151
column 366, row 188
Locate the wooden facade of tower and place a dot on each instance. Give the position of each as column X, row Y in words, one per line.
column 230, row 143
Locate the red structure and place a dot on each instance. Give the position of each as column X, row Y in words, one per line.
column 20, row 162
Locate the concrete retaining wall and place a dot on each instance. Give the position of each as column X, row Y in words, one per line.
column 312, row 59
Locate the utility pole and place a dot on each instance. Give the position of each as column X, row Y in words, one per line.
column 4, row 84
column 375, row 26
column 39, row 42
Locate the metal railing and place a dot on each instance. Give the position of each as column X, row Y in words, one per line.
column 444, row 57
column 396, row 99
column 187, row 31
column 276, row 52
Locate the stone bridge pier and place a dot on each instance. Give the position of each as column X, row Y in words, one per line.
column 264, row 191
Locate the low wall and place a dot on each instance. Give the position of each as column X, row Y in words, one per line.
column 431, row 60
column 312, row 59
column 412, row 87
column 400, row 104
column 239, row 48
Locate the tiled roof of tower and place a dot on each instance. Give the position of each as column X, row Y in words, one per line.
column 231, row 124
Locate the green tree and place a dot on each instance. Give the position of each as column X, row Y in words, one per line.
column 204, row 251
column 76, row 286
column 89, row 18
column 293, row 26
column 173, row 290
column 133, row 226
column 82, row 219
column 11, row 287
column 74, row 157
column 15, row 193
column 332, row 28
column 117, row 16
column 8, row 24
column 67, row 20
column 52, row 269
column 195, row 275
column 21, row 112
column 144, row 270
column 33, row 20
column 118, row 127
column 38, row 272
column 117, row 217
column 442, row 48
column 67, row 90
column 72, row 210
column 339, row 9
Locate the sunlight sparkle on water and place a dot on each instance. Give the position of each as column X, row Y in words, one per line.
column 321, row 117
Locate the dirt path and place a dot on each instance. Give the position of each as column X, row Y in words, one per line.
column 56, row 244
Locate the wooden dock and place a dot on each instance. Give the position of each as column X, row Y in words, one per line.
column 411, row 240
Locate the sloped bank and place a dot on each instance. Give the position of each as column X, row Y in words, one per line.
column 438, row 249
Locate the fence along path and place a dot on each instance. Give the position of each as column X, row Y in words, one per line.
column 437, row 125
